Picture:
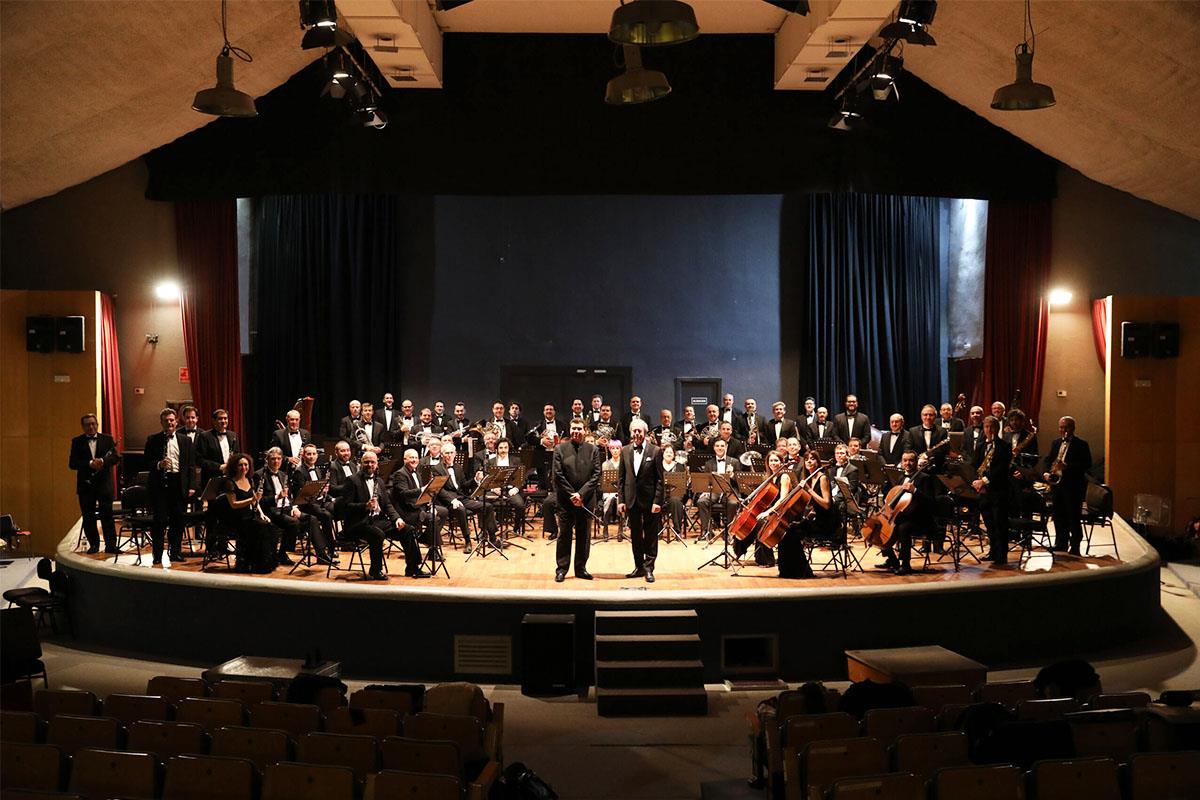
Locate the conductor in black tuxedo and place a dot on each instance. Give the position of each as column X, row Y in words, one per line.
column 640, row 491
column 174, row 479
column 1067, row 495
column 363, row 505
column 291, row 439
column 993, row 459
column 576, row 476
column 93, row 455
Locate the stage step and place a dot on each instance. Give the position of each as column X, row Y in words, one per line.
column 649, row 663
column 658, row 702
column 647, row 622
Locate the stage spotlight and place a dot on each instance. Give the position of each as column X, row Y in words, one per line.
column 341, row 78
column 911, row 21
column 636, row 85
column 653, row 22
column 224, row 100
column 371, row 118
column 883, row 81
column 847, row 118
column 318, row 18
column 167, row 290
column 1060, row 296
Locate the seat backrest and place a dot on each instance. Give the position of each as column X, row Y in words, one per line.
column 1040, row 710
column 52, row 702
column 7, row 526
column 950, row 718
column 135, row 498
column 176, row 689
column 210, row 713
column 1002, row 782
column 1164, row 776
column 295, row 718
column 20, row 726
column 422, row 755
column 458, row 698
column 894, row 786
column 824, row 762
column 292, row 781
column 45, row 568
column 378, row 722
column 1007, row 693
column 397, row 785
column 1122, row 700
column 260, row 745
column 246, row 691
column 937, row 697
column 925, row 753
column 885, row 724
column 32, row 766
column 464, row 731
column 1099, row 499
column 73, row 733
column 167, row 739
column 400, row 702
column 112, row 773
column 359, row 753
column 18, row 631
column 205, row 777
column 1108, row 733
column 129, row 708
column 801, row 730
column 1068, row 779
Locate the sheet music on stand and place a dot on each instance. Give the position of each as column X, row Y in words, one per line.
column 526, row 455
column 847, row 494
column 892, row 474
column 311, row 490
column 956, row 440
column 431, row 489
column 872, row 469
column 215, row 488
column 747, row 482
column 700, row 462
column 394, row 450
column 494, row 478
column 388, row 467
column 609, row 480
column 701, row 482
column 958, row 487
column 723, row 483
column 676, row 483
column 825, row 448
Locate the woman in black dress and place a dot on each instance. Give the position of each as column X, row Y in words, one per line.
column 241, row 513
column 820, row 521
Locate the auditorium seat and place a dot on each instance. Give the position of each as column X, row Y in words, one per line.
column 810, row 772
column 1111, row 733
column 101, row 774
column 464, row 731
column 262, row 746
column 794, row 702
column 1007, row 693
column 295, row 718
column 51, row 702
column 32, row 766
column 377, row 722
column 1042, row 710
column 129, row 708
column 998, row 782
column 951, row 715
column 167, row 739
column 359, row 753
column 797, row 732
column 20, row 726
column 398, row 701
column 206, row 777
column 420, row 755
column 210, row 713
column 1071, row 779
column 1122, row 700
column 938, row 697
column 885, row 724
column 176, row 689
column 246, row 691
column 396, row 785
column 293, row 781
column 73, row 733
column 893, row 786
column 923, row 754
column 1164, row 776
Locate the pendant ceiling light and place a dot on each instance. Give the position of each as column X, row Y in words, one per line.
column 653, row 22
column 1023, row 94
column 636, row 84
column 224, row 100
column 910, row 23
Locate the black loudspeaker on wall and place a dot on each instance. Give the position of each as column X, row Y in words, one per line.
column 547, row 654
column 39, row 334
column 70, row 334
column 1166, row 340
column 1135, row 339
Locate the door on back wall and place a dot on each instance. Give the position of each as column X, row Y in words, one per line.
column 533, row 387
column 697, row 393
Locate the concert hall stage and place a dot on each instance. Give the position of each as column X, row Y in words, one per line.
column 752, row 623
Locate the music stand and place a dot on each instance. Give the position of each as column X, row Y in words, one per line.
column 700, row 461
column 496, row 478
column 304, row 497
column 434, row 553
column 674, row 482
column 960, row 488
column 723, row 559
column 610, row 484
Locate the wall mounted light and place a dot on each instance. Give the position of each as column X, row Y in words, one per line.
column 167, row 291
column 1060, row 296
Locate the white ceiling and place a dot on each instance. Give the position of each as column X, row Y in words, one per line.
column 87, row 86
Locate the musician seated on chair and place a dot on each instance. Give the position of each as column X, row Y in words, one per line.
column 673, row 508
column 842, row 468
column 722, row 465
column 456, row 496
column 278, row 504
column 320, row 507
column 608, row 500
column 511, row 496
column 734, row 446
column 406, row 489
column 363, row 503
column 917, row 518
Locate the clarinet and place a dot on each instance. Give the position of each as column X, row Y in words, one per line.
column 255, row 486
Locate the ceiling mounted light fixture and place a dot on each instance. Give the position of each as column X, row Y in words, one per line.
column 1023, row 94
column 318, row 19
column 341, row 78
column 224, row 100
column 883, row 81
column 636, row 84
column 910, row 23
column 848, row 117
column 650, row 23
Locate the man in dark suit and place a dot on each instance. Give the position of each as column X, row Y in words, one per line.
column 455, row 496
column 851, row 422
column 992, row 461
column 277, row 503
column 363, row 503
column 973, row 433
column 1067, row 494
column 549, row 422
column 576, row 477
column 520, row 424
column 894, row 441
column 750, row 419
column 780, row 427
column 635, row 412
column 373, row 433
column 505, row 429
column 408, row 425
column 924, row 437
column 640, row 498
column 843, row 468
column 708, row 431
column 341, row 467
column 810, row 412
column 319, row 507
column 727, row 412
column 948, row 421
column 216, row 445
column 917, row 520
column 593, row 414
column 1022, row 438
column 93, row 455
column 291, row 439
column 174, row 480
column 734, row 446
column 440, row 418
column 388, row 416
column 405, row 489
column 350, row 421
column 822, row 428
column 722, row 464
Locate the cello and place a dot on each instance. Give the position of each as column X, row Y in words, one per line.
column 878, row 528
column 790, row 510
column 763, row 496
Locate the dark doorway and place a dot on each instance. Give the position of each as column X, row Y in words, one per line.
column 533, row 387
column 697, row 393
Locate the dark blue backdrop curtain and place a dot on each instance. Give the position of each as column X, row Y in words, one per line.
column 870, row 304
column 330, row 274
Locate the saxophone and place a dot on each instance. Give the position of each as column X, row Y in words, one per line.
column 986, row 463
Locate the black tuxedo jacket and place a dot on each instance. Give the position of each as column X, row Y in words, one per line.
column 270, row 503
column 787, row 430
column 508, row 426
column 1030, row 451
column 302, row 475
column 862, row 427
column 351, row 503
column 892, row 456
column 645, row 488
column 87, row 480
column 920, row 511
column 627, row 419
column 390, row 431
column 466, row 483
column 534, row 434
column 998, row 470
column 814, row 432
column 575, row 470
column 346, row 428
column 403, row 494
column 733, row 416
column 378, row 438
column 189, row 465
column 734, row 448
column 972, row 436
column 521, row 427
column 209, row 451
column 916, row 438
column 338, row 476
column 1074, row 474
column 849, row 472
column 955, row 424
column 741, row 426
column 280, row 439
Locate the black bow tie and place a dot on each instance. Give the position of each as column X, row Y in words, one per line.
column 92, row 438
column 637, row 449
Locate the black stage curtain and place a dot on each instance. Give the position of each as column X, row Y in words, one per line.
column 330, row 274
column 870, row 306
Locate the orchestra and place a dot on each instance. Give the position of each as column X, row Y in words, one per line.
column 368, row 481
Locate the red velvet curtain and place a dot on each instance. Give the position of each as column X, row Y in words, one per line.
column 112, row 402
column 1015, row 315
column 206, row 241
column 1100, row 330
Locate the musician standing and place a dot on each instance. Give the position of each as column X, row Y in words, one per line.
column 576, row 471
column 635, row 413
column 439, row 416
column 780, row 427
column 922, row 438
column 174, row 479
column 992, row 461
column 640, row 492
column 1021, row 434
column 291, row 439
column 350, row 421
column 821, row 428
column 749, row 422
column 93, row 454
column 734, row 447
column 519, row 423
column 810, row 412
column 710, row 429
column 893, row 441
column 216, row 445
column 593, row 415
column 1075, row 457
column 498, row 422
column 973, row 434
column 851, row 422
column 373, row 433
column 727, row 412
column 949, row 422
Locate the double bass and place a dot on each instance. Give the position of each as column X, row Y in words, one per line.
column 790, row 510
column 763, row 496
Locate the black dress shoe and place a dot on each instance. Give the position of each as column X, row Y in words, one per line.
column 177, row 558
column 649, row 577
column 637, row 573
column 1073, row 551
column 890, row 564
column 377, row 575
column 560, row 576
column 284, row 561
column 904, row 570
column 583, row 575
column 111, row 550
column 418, row 573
